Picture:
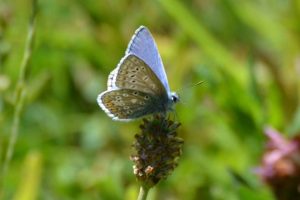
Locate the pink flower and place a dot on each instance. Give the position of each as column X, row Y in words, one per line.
column 280, row 167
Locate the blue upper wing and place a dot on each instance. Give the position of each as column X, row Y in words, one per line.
column 143, row 46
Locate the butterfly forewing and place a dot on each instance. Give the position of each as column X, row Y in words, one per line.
column 126, row 104
column 143, row 46
column 135, row 74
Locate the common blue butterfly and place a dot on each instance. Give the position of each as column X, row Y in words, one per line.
column 138, row 86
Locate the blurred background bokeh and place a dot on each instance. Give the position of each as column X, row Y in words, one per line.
column 246, row 52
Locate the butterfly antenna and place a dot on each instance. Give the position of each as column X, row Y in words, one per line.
column 189, row 86
column 199, row 83
column 185, row 87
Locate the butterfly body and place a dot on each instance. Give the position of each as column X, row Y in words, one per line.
column 138, row 86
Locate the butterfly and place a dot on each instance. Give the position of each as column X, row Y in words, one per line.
column 138, row 86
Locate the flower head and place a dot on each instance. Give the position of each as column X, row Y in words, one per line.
column 157, row 149
column 281, row 165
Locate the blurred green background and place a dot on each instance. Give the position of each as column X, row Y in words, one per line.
column 246, row 52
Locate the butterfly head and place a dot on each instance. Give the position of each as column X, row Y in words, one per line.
column 175, row 97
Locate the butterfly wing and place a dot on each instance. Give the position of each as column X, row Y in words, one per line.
column 134, row 73
column 138, row 86
column 143, row 46
column 128, row 104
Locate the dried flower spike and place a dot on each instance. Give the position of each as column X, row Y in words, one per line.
column 157, row 149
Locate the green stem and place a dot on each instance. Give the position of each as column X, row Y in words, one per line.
column 143, row 192
column 20, row 94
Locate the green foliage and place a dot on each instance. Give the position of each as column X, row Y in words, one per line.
column 246, row 52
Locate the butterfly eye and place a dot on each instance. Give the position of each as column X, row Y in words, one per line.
column 175, row 98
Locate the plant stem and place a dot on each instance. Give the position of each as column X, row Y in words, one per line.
column 20, row 92
column 143, row 192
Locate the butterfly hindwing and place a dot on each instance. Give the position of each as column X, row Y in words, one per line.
column 126, row 104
